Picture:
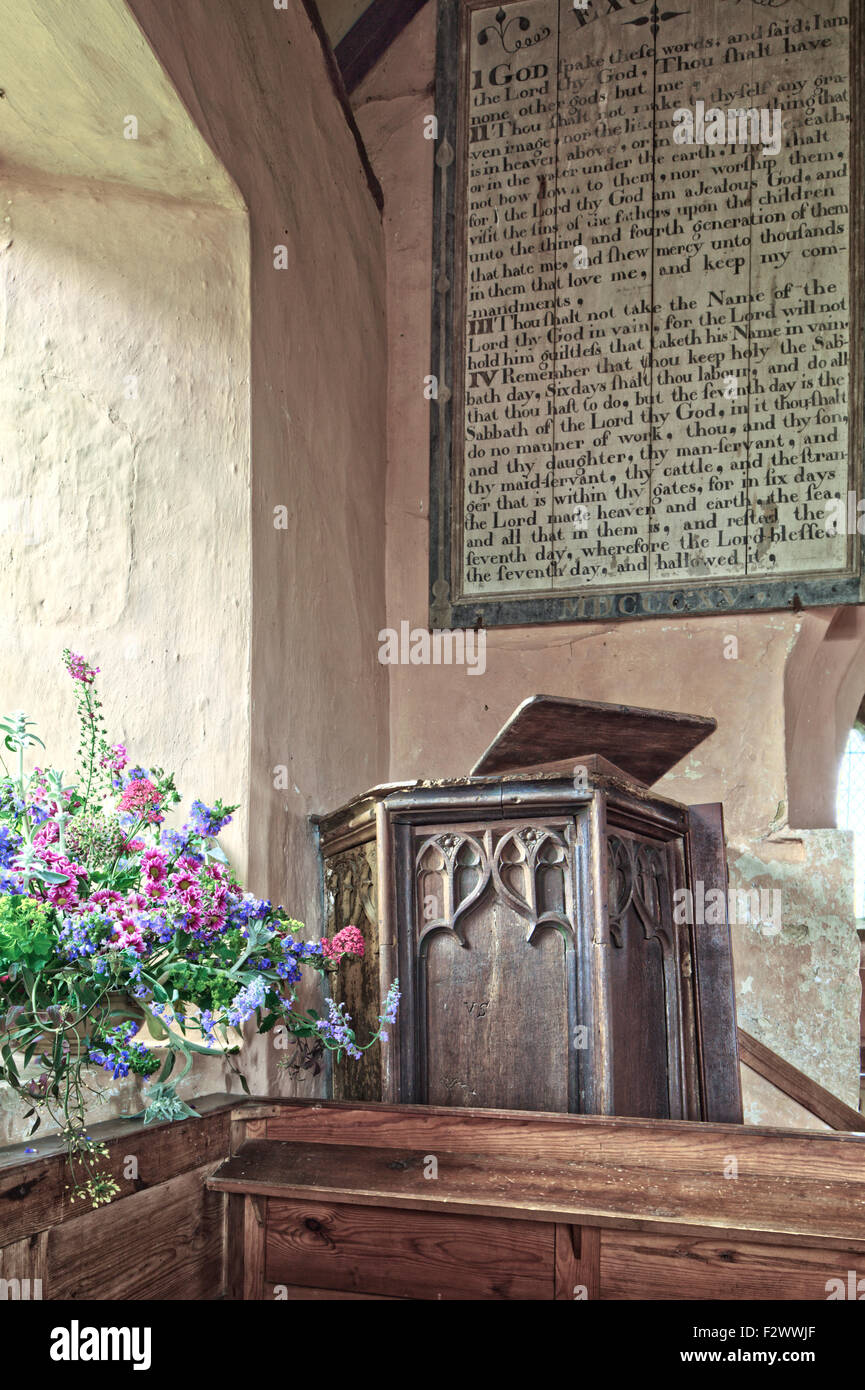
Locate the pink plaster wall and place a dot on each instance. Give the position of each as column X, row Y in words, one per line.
column 441, row 718
column 799, row 991
column 255, row 81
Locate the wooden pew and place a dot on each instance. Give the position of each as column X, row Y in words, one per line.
column 337, row 1200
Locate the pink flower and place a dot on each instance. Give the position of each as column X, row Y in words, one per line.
column 141, row 799
column 103, row 898
column 154, row 873
column 347, row 942
column 79, row 670
column 115, row 758
column 61, row 894
column 128, row 935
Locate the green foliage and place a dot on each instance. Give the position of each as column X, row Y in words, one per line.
column 163, row 1103
column 27, row 934
column 101, row 902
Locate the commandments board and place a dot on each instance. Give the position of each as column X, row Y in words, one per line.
column 646, row 378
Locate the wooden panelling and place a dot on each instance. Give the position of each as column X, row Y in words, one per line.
column 31, row 1198
column 409, row 1254
column 34, row 1192
column 481, row 1000
column 522, row 985
column 254, row 1238
column 165, row 1243
column 351, row 885
column 570, row 1208
column 232, row 1247
column 635, row 1266
column 794, row 1202
column 163, row 1235
column 601, row 1139
column 24, row 1261
column 517, row 1205
column 713, row 967
column 291, row 1293
column 578, row 1262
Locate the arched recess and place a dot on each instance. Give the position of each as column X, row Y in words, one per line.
column 824, row 683
column 124, row 416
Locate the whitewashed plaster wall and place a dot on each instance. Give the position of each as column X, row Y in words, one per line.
column 124, row 418
column 124, row 448
column 227, row 646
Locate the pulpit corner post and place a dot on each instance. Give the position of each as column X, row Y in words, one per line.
column 715, row 993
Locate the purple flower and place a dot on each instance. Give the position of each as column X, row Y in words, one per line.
column 9, row 845
column 244, row 1004
column 208, row 821
column 390, row 1006
column 337, row 1030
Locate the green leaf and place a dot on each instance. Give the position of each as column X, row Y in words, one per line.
column 9, row 1061
column 168, row 1067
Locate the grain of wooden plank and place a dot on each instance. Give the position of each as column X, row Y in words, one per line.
column 36, row 1192
column 715, row 1267
column 604, row 1138
column 232, row 1249
column 50, row 1146
column 407, row 1253
column 571, row 1191
column 589, row 1274
column 22, row 1267
column 163, row 1243
column 567, row 1259
column 31, row 1197
column 297, row 1292
column 644, row 743
column 254, row 1229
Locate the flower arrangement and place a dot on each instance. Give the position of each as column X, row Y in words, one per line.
column 101, row 902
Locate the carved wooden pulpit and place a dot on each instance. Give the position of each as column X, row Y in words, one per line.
column 543, row 917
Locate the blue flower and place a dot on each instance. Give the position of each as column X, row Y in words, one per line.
column 207, row 1025
column 179, row 842
column 246, row 909
column 115, row 1054
column 82, row 936
column 11, row 882
column 336, row 1029
column 390, row 1006
column 206, row 821
column 10, row 842
column 244, row 1004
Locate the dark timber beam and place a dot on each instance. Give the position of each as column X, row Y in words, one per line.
column 369, row 38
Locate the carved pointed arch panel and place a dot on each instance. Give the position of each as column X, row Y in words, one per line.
column 496, row 965
column 650, row 980
column 350, row 900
